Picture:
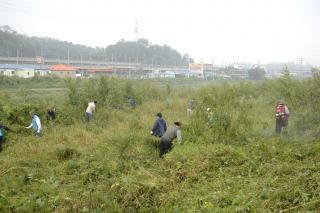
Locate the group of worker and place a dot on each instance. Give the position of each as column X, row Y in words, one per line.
column 281, row 116
column 159, row 129
column 166, row 136
column 35, row 124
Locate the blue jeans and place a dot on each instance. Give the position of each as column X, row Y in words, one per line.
column 88, row 117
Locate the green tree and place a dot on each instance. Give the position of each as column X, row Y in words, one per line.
column 256, row 73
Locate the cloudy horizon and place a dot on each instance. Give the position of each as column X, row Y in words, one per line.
column 219, row 31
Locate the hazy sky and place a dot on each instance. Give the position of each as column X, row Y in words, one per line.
column 218, row 30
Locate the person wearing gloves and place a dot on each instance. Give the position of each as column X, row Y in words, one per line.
column 35, row 124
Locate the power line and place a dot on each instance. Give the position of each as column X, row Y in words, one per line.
column 22, row 5
column 18, row 8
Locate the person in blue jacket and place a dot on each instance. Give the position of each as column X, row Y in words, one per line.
column 2, row 127
column 159, row 127
column 35, row 124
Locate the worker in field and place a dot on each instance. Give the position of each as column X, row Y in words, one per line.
column 132, row 102
column 190, row 107
column 2, row 128
column 35, row 123
column 89, row 111
column 211, row 117
column 159, row 126
column 51, row 114
column 282, row 117
column 166, row 140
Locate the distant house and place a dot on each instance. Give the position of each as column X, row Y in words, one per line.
column 63, row 71
column 25, row 73
column 168, row 74
column 16, row 70
column 41, row 72
column 201, row 70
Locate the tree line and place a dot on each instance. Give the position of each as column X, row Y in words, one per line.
column 13, row 44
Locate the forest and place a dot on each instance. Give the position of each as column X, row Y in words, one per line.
column 13, row 44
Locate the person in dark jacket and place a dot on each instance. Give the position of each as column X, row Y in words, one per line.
column 51, row 114
column 166, row 140
column 132, row 102
column 159, row 126
column 2, row 127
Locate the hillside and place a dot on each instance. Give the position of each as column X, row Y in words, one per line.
column 13, row 44
column 112, row 164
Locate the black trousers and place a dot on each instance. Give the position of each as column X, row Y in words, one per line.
column 281, row 124
column 165, row 146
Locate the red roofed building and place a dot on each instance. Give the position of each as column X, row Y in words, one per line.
column 63, row 71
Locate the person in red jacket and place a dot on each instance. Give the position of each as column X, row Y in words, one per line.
column 282, row 116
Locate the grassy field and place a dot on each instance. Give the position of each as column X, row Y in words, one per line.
column 113, row 164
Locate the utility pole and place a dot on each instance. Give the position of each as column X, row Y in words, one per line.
column 301, row 66
column 21, row 56
column 68, row 55
column 17, row 56
column 152, row 67
column 112, row 64
column 136, row 30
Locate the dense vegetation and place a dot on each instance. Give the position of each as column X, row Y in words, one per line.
column 112, row 164
column 13, row 44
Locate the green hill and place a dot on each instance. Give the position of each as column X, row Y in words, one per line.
column 13, row 44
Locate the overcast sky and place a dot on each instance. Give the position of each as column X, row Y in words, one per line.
column 219, row 30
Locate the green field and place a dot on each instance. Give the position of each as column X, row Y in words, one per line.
column 113, row 164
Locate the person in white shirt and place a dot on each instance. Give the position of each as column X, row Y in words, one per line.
column 89, row 111
column 35, row 124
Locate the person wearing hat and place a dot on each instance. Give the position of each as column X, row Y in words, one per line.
column 159, row 126
column 282, row 115
column 166, row 140
column 35, row 124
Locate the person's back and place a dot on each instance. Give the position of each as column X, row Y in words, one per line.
column 91, row 107
column 190, row 104
column 166, row 140
column 89, row 111
column 159, row 127
column 162, row 126
column 2, row 127
column 35, row 124
column 171, row 133
column 132, row 102
column 51, row 115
